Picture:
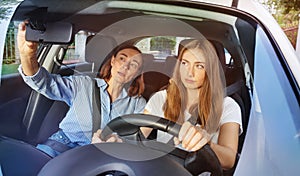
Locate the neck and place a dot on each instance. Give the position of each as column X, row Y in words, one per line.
column 114, row 89
column 192, row 97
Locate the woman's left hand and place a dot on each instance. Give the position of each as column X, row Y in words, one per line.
column 113, row 138
column 192, row 137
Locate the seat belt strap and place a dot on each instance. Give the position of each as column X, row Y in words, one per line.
column 57, row 146
column 233, row 88
column 96, row 108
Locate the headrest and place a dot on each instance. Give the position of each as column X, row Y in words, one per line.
column 148, row 60
column 220, row 52
column 154, row 81
column 97, row 49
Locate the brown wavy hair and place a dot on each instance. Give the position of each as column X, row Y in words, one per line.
column 136, row 86
column 209, row 108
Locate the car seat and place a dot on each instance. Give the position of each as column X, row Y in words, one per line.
column 154, row 81
column 170, row 65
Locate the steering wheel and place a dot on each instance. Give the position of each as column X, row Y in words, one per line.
column 143, row 157
column 195, row 162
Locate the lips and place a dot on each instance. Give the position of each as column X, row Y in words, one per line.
column 189, row 81
column 121, row 74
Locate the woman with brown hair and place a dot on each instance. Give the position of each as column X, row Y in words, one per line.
column 123, row 67
column 195, row 98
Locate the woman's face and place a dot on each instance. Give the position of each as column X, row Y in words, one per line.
column 126, row 65
column 192, row 68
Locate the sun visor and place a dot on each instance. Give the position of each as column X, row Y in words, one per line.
column 52, row 32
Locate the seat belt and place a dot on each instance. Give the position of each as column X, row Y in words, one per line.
column 96, row 121
column 233, row 88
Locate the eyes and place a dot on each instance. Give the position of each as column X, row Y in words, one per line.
column 132, row 64
column 197, row 65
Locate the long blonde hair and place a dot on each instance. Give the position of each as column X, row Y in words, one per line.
column 209, row 109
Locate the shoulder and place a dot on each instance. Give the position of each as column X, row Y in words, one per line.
column 159, row 95
column 230, row 103
column 231, row 111
column 157, row 99
column 156, row 102
column 139, row 99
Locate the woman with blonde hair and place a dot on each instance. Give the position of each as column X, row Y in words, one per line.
column 196, row 99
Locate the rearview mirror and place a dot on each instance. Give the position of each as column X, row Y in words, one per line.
column 55, row 33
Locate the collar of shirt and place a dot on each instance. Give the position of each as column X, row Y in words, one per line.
column 103, row 85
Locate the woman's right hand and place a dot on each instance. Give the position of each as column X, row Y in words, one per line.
column 192, row 137
column 113, row 138
column 27, row 51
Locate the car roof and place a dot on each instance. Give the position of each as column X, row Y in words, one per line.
column 228, row 3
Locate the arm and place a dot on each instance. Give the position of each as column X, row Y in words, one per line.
column 146, row 131
column 53, row 86
column 27, row 50
column 193, row 138
column 154, row 107
column 227, row 145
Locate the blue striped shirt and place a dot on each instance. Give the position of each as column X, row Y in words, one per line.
column 77, row 92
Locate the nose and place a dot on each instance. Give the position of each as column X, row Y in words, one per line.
column 190, row 71
column 126, row 65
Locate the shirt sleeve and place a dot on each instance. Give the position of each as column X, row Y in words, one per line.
column 231, row 113
column 52, row 86
column 156, row 102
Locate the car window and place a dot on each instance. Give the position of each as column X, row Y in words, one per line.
column 228, row 58
column 268, row 66
column 11, row 60
column 8, row 60
column 76, row 51
column 160, row 46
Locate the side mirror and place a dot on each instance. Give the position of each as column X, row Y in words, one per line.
column 55, row 32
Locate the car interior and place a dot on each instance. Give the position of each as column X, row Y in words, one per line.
column 38, row 117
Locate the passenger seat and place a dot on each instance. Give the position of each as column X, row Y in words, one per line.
column 154, row 81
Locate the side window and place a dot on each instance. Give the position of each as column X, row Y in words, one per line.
column 76, row 51
column 11, row 58
column 9, row 61
column 228, row 58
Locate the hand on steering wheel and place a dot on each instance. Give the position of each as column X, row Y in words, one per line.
column 113, row 137
column 192, row 137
